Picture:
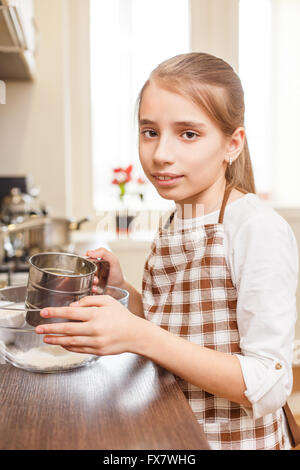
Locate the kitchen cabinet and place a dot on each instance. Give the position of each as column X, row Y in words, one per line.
column 17, row 40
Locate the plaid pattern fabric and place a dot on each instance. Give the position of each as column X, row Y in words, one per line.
column 187, row 290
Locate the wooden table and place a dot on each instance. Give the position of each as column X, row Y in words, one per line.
column 119, row 402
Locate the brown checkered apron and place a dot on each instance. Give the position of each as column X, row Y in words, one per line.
column 187, row 290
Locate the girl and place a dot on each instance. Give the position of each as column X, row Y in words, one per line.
column 218, row 302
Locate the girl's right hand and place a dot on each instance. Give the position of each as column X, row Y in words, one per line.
column 115, row 277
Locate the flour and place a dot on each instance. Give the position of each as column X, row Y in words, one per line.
column 41, row 358
column 12, row 318
column 51, row 357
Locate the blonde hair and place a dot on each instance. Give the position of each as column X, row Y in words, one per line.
column 214, row 86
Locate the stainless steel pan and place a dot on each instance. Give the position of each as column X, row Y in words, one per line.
column 40, row 234
column 54, row 235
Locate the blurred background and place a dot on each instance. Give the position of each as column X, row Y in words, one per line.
column 76, row 117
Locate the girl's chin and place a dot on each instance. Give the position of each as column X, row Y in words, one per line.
column 169, row 195
column 179, row 199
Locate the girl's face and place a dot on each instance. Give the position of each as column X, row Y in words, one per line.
column 181, row 150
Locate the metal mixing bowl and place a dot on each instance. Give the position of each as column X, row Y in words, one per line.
column 25, row 349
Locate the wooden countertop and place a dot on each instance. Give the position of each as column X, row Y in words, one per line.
column 119, row 402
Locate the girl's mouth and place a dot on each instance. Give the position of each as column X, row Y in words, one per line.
column 167, row 180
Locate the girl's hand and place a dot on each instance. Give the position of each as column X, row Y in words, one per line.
column 115, row 277
column 105, row 326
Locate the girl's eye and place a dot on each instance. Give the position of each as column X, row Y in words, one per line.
column 149, row 133
column 190, row 135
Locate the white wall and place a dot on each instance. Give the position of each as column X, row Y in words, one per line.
column 215, row 28
column 45, row 124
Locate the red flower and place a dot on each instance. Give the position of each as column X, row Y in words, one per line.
column 122, row 175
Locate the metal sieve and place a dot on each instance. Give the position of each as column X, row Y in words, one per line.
column 57, row 279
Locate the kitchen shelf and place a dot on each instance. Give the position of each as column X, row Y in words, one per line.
column 16, row 66
column 17, row 40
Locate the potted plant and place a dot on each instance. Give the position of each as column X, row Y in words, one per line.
column 123, row 177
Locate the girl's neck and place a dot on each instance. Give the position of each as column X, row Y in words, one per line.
column 209, row 200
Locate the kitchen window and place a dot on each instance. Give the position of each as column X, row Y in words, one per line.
column 269, row 67
column 128, row 39
column 255, row 71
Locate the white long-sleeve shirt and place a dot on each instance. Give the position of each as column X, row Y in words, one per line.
column 262, row 256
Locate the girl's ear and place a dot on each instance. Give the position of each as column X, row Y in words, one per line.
column 235, row 145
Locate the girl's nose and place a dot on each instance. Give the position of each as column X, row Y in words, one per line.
column 163, row 153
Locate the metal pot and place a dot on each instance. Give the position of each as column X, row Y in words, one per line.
column 50, row 234
column 56, row 235
column 37, row 234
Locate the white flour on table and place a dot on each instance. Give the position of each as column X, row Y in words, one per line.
column 51, row 357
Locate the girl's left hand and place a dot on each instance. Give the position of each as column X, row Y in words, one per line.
column 105, row 326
